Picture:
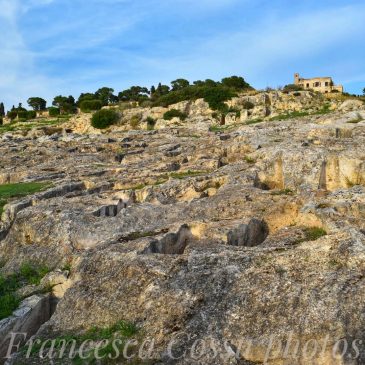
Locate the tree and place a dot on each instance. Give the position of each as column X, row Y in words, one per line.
column 85, row 96
column 87, row 106
column 236, row 82
column 162, row 90
column 2, row 110
column 363, row 91
column 105, row 95
column 65, row 104
column 207, row 82
column 135, row 93
column 179, row 84
column 37, row 103
column 210, row 83
column 20, row 108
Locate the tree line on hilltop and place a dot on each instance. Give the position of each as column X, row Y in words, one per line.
column 214, row 92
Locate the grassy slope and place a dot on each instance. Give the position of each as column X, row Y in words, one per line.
column 8, row 191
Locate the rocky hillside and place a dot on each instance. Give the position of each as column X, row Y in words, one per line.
column 241, row 243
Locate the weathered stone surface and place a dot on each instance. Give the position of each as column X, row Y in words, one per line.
column 249, row 235
column 200, row 232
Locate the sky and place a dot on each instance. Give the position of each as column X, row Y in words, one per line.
column 65, row 47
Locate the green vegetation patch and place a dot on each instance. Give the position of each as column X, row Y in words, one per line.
column 105, row 345
column 104, row 118
column 249, row 159
column 174, row 113
column 287, row 116
column 218, row 128
column 325, row 110
column 151, row 122
column 88, row 106
column 254, row 121
column 28, row 275
column 282, row 192
column 9, row 191
column 312, row 234
column 21, row 126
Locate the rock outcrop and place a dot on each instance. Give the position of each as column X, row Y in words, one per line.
column 240, row 245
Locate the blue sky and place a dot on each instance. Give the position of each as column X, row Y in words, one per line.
column 52, row 47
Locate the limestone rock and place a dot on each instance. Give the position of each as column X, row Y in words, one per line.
column 239, row 234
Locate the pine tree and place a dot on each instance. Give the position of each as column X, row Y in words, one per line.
column 2, row 110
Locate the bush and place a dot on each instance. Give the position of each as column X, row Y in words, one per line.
column 53, row 112
column 248, row 105
column 146, row 104
column 31, row 114
column 1, row 121
column 22, row 114
column 174, row 113
column 12, row 115
column 150, row 123
column 292, row 87
column 88, row 106
column 28, row 274
column 236, row 82
column 134, row 122
column 104, row 118
column 216, row 96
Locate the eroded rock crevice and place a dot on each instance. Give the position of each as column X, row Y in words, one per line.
column 248, row 235
column 172, row 243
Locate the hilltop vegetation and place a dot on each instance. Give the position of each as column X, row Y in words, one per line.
column 214, row 92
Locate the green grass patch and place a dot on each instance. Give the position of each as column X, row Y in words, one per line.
column 112, row 338
column 249, row 160
column 300, row 114
column 27, row 275
column 312, row 234
column 218, row 128
column 9, row 191
column 254, row 121
column 26, row 126
column 287, row 116
column 325, row 110
column 185, row 174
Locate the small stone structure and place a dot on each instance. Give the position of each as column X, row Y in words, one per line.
column 321, row 84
